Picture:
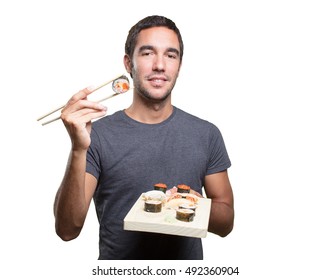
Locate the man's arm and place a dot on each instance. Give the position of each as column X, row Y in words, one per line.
column 76, row 190
column 218, row 188
column 73, row 198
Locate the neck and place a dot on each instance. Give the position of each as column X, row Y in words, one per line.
column 149, row 112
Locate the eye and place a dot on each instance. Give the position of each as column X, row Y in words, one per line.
column 172, row 55
column 146, row 53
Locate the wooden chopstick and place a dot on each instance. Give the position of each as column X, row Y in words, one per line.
column 61, row 107
column 103, row 99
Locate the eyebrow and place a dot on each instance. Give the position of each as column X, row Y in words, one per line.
column 149, row 47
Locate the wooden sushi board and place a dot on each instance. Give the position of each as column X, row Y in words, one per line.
column 165, row 221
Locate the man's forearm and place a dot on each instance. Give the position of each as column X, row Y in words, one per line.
column 221, row 218
column 70, row 207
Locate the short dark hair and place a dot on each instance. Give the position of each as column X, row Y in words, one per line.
column 148, row 22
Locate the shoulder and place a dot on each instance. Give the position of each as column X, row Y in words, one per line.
column 192, row 120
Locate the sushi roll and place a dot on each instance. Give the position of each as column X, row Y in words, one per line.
column 185, row 215
column 188, row 206
column 153, row 206
column 160, row 187
column 154, row 195
column 121, row 84
column 183, row 189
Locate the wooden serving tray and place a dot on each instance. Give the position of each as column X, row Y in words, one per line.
column 165, row 222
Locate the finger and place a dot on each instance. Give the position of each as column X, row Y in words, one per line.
column 83, row 104
column 86, row 118
column 86, row 111
column 83, row 115
column 82, row 94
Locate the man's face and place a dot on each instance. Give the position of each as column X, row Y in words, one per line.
column 155, row 63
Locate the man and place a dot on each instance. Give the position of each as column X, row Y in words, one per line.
column 123, row 155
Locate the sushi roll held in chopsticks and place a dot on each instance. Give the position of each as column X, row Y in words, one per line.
column 121, row 84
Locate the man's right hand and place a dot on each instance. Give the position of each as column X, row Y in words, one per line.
column 77, row 116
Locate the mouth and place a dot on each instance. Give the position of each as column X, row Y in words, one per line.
column 157, row 80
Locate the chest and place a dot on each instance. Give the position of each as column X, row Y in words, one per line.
column 168, row 156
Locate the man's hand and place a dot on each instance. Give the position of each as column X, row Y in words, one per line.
column 77, row 116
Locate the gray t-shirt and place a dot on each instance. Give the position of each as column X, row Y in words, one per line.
column 128, row 157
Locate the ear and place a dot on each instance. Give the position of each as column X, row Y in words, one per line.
column 127, row 63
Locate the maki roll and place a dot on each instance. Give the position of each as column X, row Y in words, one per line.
column 183, row 189
column 185, row 215
column 154, row 195
column 121, row 84
column 188, row 206
column 160, row 187
column 153, row 206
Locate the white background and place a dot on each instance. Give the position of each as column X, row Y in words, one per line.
column 259, row 70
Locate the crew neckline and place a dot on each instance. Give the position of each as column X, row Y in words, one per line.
column 136, row 123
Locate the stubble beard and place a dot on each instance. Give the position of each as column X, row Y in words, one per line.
column 145, row 93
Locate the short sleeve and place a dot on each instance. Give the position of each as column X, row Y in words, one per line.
column 93, row 165
column 218, row 156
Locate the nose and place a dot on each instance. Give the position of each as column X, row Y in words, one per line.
column 159, row 63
